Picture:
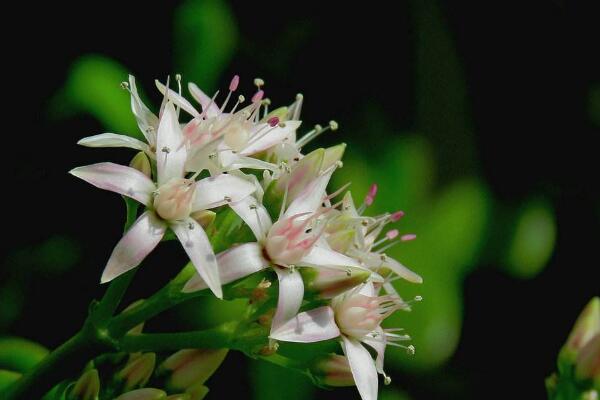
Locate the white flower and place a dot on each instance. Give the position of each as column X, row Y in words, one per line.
column 169, row 203
column 288, row 243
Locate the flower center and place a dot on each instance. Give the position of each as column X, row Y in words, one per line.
column 290, row 239
column 358, row 315
column 173, row 200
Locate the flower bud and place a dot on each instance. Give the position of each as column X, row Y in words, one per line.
column 197, row 391
column 181, row 396
column 138, row 370
column 333, row 370
column 192, row 366
column 333, row 154
column 328, row 283
column 143, row 394
column 304, row 172
column 204, row 217
column 586, row 327
column 141, row 163
column 587, row 366
column 87, row 386
column 173, row 200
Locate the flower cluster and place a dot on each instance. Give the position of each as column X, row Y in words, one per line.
column 249, row 160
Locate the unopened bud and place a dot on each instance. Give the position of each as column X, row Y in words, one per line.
column 181, row 396
column 304, row 172
column 204, row 217
column 328, row 282
column 143, row 394
column 197, row 392
column 141, row 162
column 587, row 366
column 333, row 370
column 586, row 327
column 87, row 386
column 333, row 155
column 138, row 370
column 192, row 366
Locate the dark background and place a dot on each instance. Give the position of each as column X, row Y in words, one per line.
column 529, row 71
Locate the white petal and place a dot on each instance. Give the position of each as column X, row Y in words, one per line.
column 204, row 101
column 378, row 344
column 198, row 248
column 146, row 120
column 135, row 245
column 221, row 189
column 402, row 271
column 322, row 257
column 115, row 140
column 291, row 292
column 170, row 149
column 234, row 264
column 177, row 99
column 362, row 367
column 307, row 327
column 117, row 178
column 269, row 137
column 230, row 161
column 255, row 215
column 368, row 289
column 311, row 198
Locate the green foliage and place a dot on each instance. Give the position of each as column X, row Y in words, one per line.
column 205, row 38
column 92, row 87
column 20, row 355
column 270, row 381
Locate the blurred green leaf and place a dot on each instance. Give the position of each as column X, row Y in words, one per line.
column 450, row 235
column 594, row 104
column 12, row 300
column 533, row 241
column 393, row 394
column 93, row 87
column 55, row 255
column 269, row 382
column 7, row 378
column 19, row 354
column 204, row 40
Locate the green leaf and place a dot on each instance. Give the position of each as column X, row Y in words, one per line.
column 19, row 354
column 204, row 40
column 93, row 87
column 7, row 378
column 533, row 241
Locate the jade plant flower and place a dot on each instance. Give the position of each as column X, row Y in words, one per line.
column 355, row 316
column 170, row 203
column 291, row 242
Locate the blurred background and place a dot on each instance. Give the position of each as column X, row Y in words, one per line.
column 477, row 119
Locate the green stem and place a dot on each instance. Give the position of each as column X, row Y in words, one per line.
column 112, row 298
column 65, row 361
column 288, row 363
column 222, row 336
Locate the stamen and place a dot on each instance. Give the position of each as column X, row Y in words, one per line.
column 370, row 197
column 396, row 216
column 240, row 100
column 273, row 121
column 408, row 237
column 235, row 81
column 266, row 103
column 258, row 83
column 390, row 235
column 316, row 131
column 125, row 86
column 210, row 103
column 297, row 107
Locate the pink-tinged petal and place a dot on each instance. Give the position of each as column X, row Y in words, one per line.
column 198, row 248
column 255, row 215
column 378, row 343
column 269, row 137
column 135, row 245
column 170, row 150
column 375, row 261
column 308, row 327
column 177, row 99
column 362, row 367
column 235, row 263
column 221, row 189
column 311, row 198
column 291, row 292
column 115, row 140
column 204, row 100
column 117, row 178
column 146, row 120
